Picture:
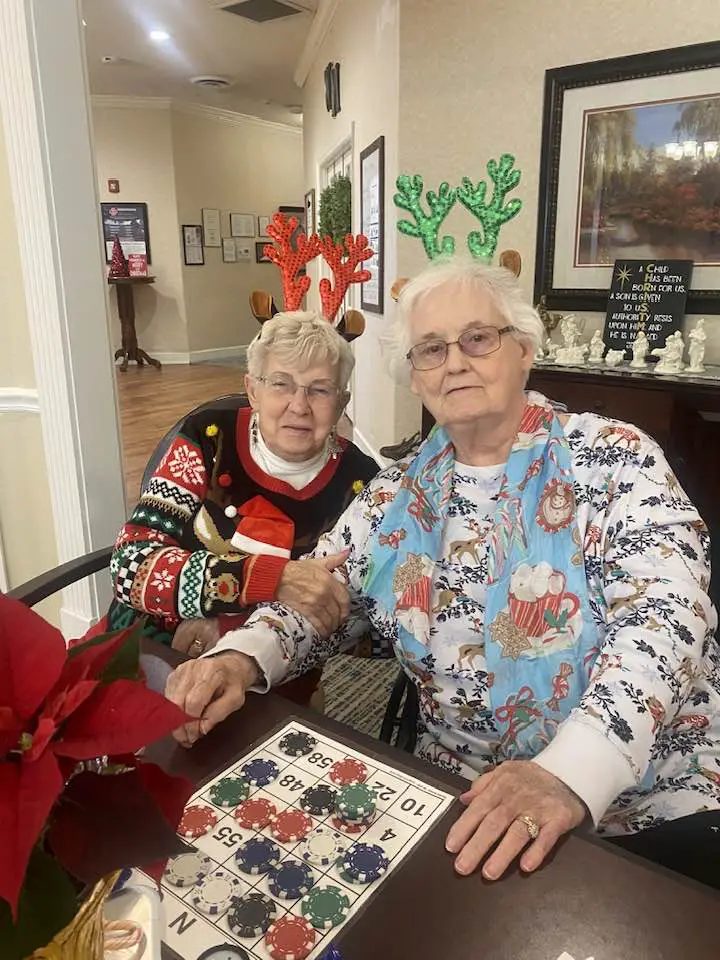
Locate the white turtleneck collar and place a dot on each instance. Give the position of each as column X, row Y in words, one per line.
column 298, row 475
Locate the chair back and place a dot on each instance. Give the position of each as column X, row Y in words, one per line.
column 234, row 401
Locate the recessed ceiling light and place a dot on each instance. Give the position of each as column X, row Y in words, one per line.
column 159, row 36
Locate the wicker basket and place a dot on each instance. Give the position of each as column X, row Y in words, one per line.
column 83, row 937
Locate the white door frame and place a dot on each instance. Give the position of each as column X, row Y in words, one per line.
column 44, row 107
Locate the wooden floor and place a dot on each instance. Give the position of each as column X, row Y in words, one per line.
column 151, row 401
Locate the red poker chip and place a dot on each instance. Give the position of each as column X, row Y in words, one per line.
column 290, row 938
column 351, row 828
column 348, row 771
column 196, row 821
column 256, row 813
column 291, row 825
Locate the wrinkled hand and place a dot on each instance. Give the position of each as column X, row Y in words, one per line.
column 518, row 788
column 309, row 587
column 209, row 689
column 194, row 637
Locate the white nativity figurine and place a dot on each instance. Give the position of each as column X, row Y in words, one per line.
column 671, row 354
column 569, row 331
column 552, row 352
column 696, row 349
column 614, row 357
column 597, row 348
column 540, row 352
column 640, row 347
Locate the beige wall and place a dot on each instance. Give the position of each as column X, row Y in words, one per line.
column 365, row 40
column 471, row 88
column 243, row 166
column 134, row 146
column 27, row 537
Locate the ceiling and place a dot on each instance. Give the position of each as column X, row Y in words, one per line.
column 259, row 58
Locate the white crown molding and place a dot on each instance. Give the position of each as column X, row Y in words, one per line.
column 44, row 110
column 19, row 400
column 318, row 31
column 109, row 102
column 130, row 103
column 235, row 119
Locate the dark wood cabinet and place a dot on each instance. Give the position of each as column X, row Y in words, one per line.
column 681, row 413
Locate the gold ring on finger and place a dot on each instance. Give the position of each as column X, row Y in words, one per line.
column 531, row 826
column 197, row 646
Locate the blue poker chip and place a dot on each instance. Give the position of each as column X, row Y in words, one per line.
column 257, row 855
column 260, row 772
column 291, row 880
column 365, row 862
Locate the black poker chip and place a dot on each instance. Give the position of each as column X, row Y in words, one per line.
column 319, row 800
column 251, row 915
column 297, row 744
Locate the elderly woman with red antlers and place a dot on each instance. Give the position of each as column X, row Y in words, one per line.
column 541, row 578
column 240, row 495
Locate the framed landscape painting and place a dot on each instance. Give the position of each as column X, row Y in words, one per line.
column 630, row 169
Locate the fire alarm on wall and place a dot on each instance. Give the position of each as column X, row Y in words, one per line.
column 113, row 186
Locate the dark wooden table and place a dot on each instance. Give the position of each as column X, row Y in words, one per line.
column 130, row 349
column 591, row 900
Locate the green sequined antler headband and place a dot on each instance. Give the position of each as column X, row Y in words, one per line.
column 491, row 213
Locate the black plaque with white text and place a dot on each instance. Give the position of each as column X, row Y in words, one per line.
column 647, row 295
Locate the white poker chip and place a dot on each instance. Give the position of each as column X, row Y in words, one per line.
column 322, row 847
column 214, row 893
column 187, row 869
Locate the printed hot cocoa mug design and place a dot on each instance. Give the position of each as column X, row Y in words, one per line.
column 538, row 600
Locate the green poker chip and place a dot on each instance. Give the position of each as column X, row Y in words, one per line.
column 325, row 907
column 229, row 792
column 356, row 801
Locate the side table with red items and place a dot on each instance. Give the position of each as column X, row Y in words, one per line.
column 126, row 311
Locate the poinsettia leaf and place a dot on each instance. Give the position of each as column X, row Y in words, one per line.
column 55, row 711
column 108, row 657
column 171, row 795
column 106, row 822
column 27, row 794
column 47, row 904
column 32, row 654
column 118, row 718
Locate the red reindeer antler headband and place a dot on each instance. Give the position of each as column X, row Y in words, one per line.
column 345, row 262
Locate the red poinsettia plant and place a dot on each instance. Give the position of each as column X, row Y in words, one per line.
column 76, row 803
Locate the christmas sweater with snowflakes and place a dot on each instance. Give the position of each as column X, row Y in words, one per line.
column 175, row 560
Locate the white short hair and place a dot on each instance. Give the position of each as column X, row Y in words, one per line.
column 301, row 339
column 499, row 283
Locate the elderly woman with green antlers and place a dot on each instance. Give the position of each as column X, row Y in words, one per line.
column 542, row 579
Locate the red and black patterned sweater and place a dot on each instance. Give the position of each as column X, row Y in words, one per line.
column 173, row 560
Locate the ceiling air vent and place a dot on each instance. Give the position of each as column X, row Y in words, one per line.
column 262, row 11
column 215, row 83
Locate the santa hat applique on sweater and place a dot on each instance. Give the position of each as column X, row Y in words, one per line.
column 263, row 529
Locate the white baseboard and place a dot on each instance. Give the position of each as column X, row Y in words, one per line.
column 19, row 400
column 73, row 625
column 360, row 441
column 238, row 352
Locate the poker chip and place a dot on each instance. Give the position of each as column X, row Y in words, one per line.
column 351, row 829
column 214, row 893
column 326, row 906
column 196, row 821
column 260, row 772
column 356, row 801
column 256, row 813
column 251, row 915
column 365, row 862
column 291, row 825
column 229, row 792
column 257, row 855
column 290, row 938
column 291, row 880
column 322, row 847
column 186, row 869
column 297, row 744
column 348, row 771
column 319, row 800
